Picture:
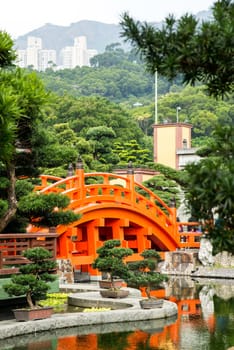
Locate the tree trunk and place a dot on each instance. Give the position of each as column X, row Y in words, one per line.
column 29, row 301
column 12, row 202
column 147, row 291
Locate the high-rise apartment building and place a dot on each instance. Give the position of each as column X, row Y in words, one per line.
column 46, row 59
column 21, row 60
column 34, row 45
column 34, row 42
column 77, row 55
column 41, row 59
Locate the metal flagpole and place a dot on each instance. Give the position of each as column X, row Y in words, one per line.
column 156, row 96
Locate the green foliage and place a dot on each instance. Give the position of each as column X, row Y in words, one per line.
column 97, row 309
column 101, row 138
column 210, row 191
column 23, row 187
column 113, row 56
column 34, row 277
column 110, row 259
column 56, row 300
column 169, row 173
column 197, row 108
column 7, row 54
column 68, row 125
column 116, row 79
column 4, row 183
column 54, row 154
column 163, row 187
column 22, row 98
column 18, row 224
column 98, row 123
column 131, row 151
column 47, row 209
column 200, row 52
column 3, row 207
column 87, row 112
column 143, row 273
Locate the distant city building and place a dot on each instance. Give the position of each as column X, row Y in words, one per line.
column 41, row 59
column 46, row 59
column 91, row 53
column 34, row 45
column 22, row 58
column 66, row 57
column 77, row 55
column 34, row 42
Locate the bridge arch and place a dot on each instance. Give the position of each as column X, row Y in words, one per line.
column 112, row 208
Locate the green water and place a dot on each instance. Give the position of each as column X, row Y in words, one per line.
column 205, row 322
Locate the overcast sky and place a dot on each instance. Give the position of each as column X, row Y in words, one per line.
column 19, row 17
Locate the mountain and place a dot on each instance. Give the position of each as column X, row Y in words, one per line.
column 98, row 34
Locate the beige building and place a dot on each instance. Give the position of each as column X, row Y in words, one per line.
column 172, row 145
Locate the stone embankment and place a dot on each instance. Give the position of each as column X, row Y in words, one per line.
column 131, row 313
column 198, row 263
column 214, row 272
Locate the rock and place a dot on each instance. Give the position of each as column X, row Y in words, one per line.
column 205, row 252
column 224, row 259
column 206, row 297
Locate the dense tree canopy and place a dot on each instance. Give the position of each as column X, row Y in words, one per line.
column 23, row 101
column 7, row 53
column 80, row 117
column 201, row 52
column 163, row 187
column 22, row 97
column 211, row 188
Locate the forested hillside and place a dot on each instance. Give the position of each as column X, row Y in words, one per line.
column 120, row 77
column 103, row 114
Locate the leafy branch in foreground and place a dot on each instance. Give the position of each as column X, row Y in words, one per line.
column 200, row 52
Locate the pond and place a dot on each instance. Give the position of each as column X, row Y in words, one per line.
column 205, row 322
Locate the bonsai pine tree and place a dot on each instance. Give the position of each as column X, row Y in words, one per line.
column 34, row 277
column 47, row 210
column 143, row 274
column 110, row 260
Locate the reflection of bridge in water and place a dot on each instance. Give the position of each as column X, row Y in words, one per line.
column 112, row 208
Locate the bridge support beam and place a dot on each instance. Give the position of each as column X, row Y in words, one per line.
column 142, row 242
column 93, row 240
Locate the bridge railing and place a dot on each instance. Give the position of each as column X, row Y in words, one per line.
column 95, row 188
column 86, row 188
column 101, row 193
column 12, row 246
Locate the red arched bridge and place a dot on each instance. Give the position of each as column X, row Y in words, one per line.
column 114, row 208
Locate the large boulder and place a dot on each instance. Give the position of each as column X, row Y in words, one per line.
column 205, row 252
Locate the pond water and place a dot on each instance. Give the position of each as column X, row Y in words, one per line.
column 205, row 322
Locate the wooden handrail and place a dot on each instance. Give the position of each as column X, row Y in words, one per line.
column 12, row 246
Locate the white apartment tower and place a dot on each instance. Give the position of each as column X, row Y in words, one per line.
column 79, row 57
column 34, row 44
column 21, row 58
column 46, row 59
column 41, row 59
column 66, row 57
